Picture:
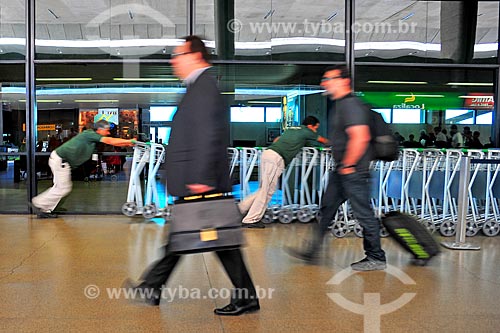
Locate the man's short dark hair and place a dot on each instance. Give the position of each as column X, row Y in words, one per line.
column 344, row 72
column 101, row 124
column 196, row 45
column 310, row 120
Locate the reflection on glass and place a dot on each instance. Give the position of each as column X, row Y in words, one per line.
column 289, row 29
column 386, row 114
column 247, row 114
column 397, row 29
column 109, row 28
column 459, row 116
column 162, row 113
column 12, row 26
column 163, row 135
column 273, row 114
column 486, row 45
column 484, row 117
column 407, row 116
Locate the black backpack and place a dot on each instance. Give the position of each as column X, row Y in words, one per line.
column 384, row 145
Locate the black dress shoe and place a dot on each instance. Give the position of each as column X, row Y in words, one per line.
column 46, row 215
column 236, row 310
column 141, row 293
column 259, row 225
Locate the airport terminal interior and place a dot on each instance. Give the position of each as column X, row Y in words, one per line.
column 426, row 66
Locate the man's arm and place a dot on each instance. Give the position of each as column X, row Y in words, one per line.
column 324, row 141
column 117, row 142
column 357, row 144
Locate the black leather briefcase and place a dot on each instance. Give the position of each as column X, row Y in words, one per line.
column 205, row 223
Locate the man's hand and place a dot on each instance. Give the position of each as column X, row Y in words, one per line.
column 199, row 188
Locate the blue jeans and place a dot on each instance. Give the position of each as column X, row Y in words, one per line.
column 354, row 187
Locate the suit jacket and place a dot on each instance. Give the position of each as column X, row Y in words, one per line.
column 197, row 149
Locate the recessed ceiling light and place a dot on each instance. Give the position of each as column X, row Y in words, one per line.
column 144, row 79
column 476, row 96
column 481, row 84
column 398, row 82
column 427, row 96
column 44, row 100
column 97, row 100
column 263, row 102
column 64, row 79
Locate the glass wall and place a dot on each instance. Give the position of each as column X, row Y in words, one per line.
column 426, row 31
column 69, row 29
column 13, row 190
column 268, row 59
column 12, row 30
column 289, row 30
column 420, row 99
column 486, row 41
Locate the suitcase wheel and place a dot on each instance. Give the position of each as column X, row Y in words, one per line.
column 420, row 262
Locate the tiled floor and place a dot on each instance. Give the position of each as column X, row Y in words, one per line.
column 46, row 266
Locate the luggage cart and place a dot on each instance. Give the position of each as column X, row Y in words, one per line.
column 491, row 226
column 248, row 161
column 135, row 204
column 156, row 158
column 308, row 204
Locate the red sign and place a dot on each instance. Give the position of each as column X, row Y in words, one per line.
column 479, row 101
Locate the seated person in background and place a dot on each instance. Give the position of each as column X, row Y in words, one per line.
column 411, row 143
column 475, row 143
column 424, row 139
column 441, row 140
column 399, row 138
column 489, row 144
column 457, row 140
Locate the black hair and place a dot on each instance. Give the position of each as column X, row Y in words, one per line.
column 344, row 72
column 310, row 120
column 196, row 45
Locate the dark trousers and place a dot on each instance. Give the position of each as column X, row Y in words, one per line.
column 356, row 188
column 233, row 263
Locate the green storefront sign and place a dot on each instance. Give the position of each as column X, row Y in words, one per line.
column 412, row 100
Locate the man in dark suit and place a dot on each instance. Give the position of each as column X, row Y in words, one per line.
column 196, row 162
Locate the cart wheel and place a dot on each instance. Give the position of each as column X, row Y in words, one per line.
column 268, row 217
column 149, row 211
column 305, row 215
column 471, row 229
column 339, row 229
column 430, row 226
column 86, row 179
column 114, row 178
column 167, row 214
column 448, row 228
column 491, row 228
column 275, row 210
column 285, row 216
column 383, row 231
column 358, row 230
column 129, row 208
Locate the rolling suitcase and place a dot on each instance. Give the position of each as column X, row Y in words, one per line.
column 412, row 236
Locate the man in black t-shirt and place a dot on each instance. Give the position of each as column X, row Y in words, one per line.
column 349, row 133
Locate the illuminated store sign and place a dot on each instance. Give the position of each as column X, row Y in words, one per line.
column 479, row 101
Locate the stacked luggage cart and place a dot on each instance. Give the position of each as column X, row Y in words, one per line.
column 147, row 205
column 422, row 182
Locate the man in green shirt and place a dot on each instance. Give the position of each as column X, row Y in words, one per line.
column 69, row 156
column 272, row 163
